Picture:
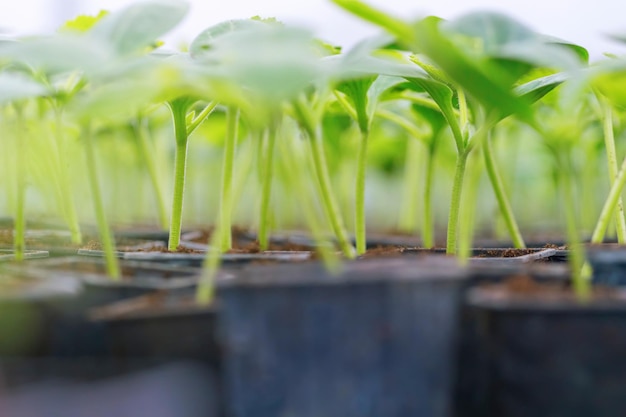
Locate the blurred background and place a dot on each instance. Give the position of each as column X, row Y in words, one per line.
column 581, row 21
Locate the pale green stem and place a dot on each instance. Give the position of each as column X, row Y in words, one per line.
column 201, row 117
column 179, row 114
column 428, row 227
column 500, row 193
column 232, row 123
column 581, row 283
column 455, row 203
column 266, row 188
column 330, row 204
column 146, row 154
column 108, row 244
column 359, row 227
column 19, row 241
column 609, row 143
column 467, row 219
column 609, row 205
column 69, row 207
column 408, row 221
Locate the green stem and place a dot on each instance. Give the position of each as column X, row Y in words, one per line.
column 455, row 202
column 180, row 168
column 361, row 239
column 410, row 190
column 582, row 285
column 19, row 240
column 498, row 189
column 428, row 226
column 609, row 143
column 330, row 204
column 266, row 188
column 609, row 205
column 69, row 207
column 106, row 237
column 232, row 123
column 148, row 159
column 201, row 117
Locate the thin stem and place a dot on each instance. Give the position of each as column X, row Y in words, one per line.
column 201, row 117
column 19, row 240
column 428, row 225
column 232, row 123
column 467, row 218
column 180, row 168
column 359, row 227
column 609, row 143
column 266, row 188
column 455, row 203
column 582, row 285
column 609, row 205
column 69, row 207
column 410, row 190
column 500, row 193
column 106, row 237
column 147, row 156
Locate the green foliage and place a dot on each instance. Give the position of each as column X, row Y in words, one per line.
column 82, row 23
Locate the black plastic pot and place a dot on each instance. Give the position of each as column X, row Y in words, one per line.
column 550, row 356
column 608, row 262
column 81, row 337
column 377, row 340
column 481, row 256
column 195, row 260
column 158, row 329
column 9, row 254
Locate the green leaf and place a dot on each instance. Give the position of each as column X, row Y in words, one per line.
column 484, row 82
column 17, row 87
column 59, row 53
column 205, row 40
column 139, row 25
column 356, row 90
column 536, row 89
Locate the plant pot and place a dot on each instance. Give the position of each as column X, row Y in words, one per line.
column 482, row 256
column 163, row 328
column 9, row 254
column 195, row 260
column 81, row 337
column 126, row 245
column 376, row 340
column 608, row 262
column 550, row 356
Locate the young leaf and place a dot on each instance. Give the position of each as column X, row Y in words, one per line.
column 82, row 23
column 205, row 40
column 139, row 25
column 16, row 87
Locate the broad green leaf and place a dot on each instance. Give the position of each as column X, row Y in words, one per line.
column 17, row 87
column 609, row 78
column 205, row 40
column 583, row 53
column 536, row 89
column 485, row 83
column 59, row 53
column 139, row 25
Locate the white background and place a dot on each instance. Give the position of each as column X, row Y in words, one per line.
column 584, row 22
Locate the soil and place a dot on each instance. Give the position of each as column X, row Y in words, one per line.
column 127, row 273
column 523, row 287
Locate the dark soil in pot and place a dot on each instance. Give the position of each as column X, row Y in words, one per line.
column 376, row 340
column 547, row 354
column 479, row 256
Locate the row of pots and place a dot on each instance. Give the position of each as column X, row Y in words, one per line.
column 412, row 335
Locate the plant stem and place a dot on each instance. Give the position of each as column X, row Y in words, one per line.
column 180, row 167
column 609, row 143
column 582, row 286
column 498, row 189
column 19, row 241
column 467, row 217
column 609, row 205
column 428, row 225
column 108, row 245
column 146, row 155
column 455, row 202
column 359, row 227
column 266, row 188
column 410, row 190
column 232, row 123
column 69, row 207
column 330, row 204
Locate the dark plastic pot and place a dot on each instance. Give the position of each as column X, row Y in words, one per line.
column 158, row 329
column 608, row 262
column 481, row 256
column 195, row 260
column 375, row 341
column 551, row 357
column 9, row 254
column 85, row 338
